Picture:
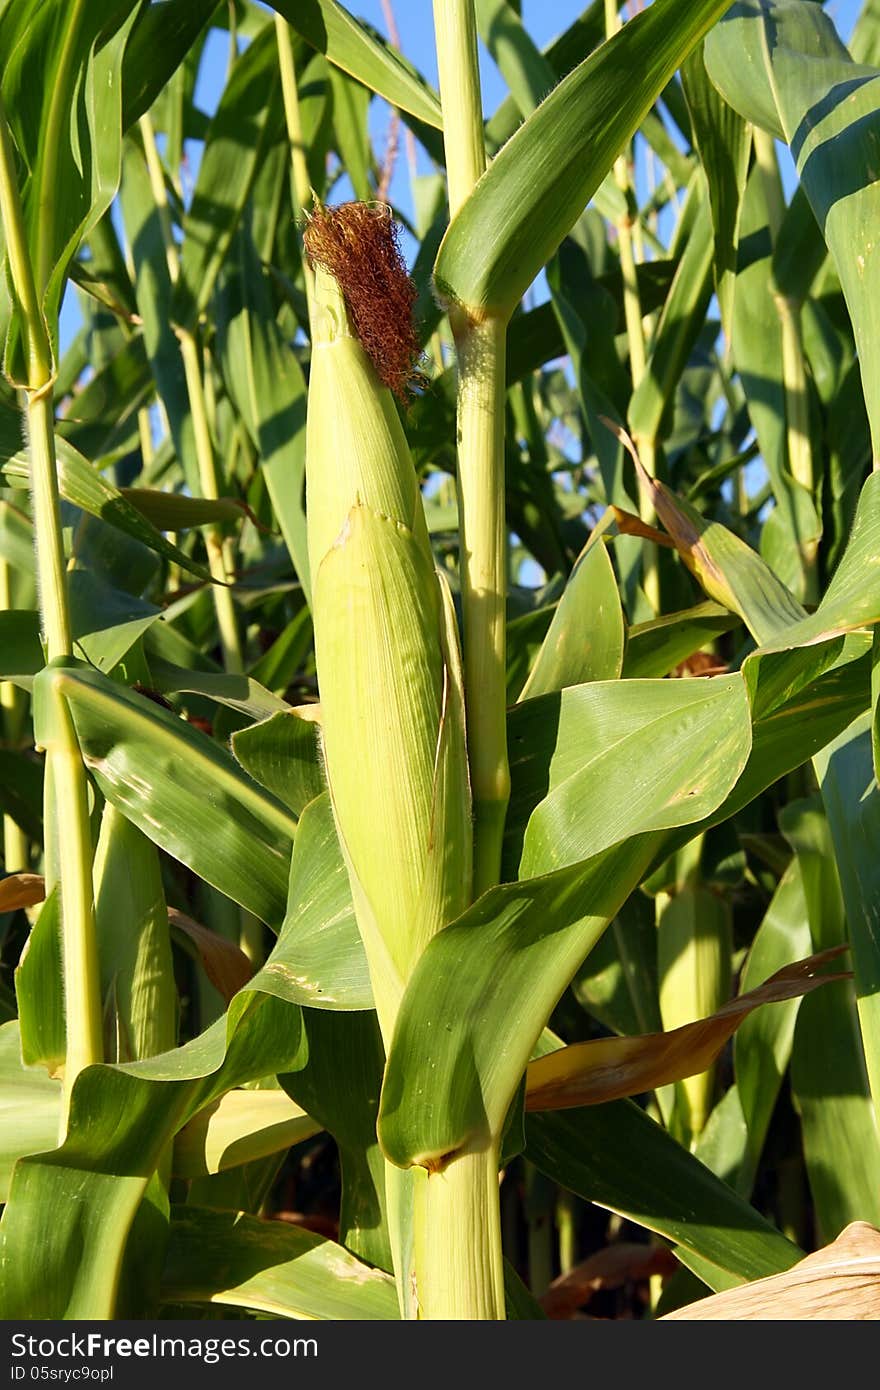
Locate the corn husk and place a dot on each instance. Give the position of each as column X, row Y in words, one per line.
column 388, row 665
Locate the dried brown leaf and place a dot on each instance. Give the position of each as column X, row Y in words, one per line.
column 226, row 966
column 606, row 1269
column 21, row 890
column 611, row 1068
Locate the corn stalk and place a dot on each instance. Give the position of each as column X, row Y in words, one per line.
column 68, row 838
column 480, row 343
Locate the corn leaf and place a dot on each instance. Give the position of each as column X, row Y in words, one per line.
column 123, row 1117
column 329, row 969
column 62, row 85
column 613, row 1068
column 799, row 82
column 615, row 1156
column 330, row 29
column 763, row 1042
column 852, row 804
column 830, row 1088
column 724, row 143
column 247, row 119
column 237, row 692
column 681, row 319
column 281, row 753
column 30, row 1106
column 339, row 1087
column 539, row 183
column 272, row 1268
column 655, row 648
column 159, row 42
column 39, row 992
column 521, row 943
column 82, row 484
column 181, row 790
column 642, row 735
column 239, row 1127
column 585, row 638
column 266, row 383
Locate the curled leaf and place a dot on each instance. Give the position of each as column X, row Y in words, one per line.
column 610, row 1068
column 21, row 890
column 226, row 966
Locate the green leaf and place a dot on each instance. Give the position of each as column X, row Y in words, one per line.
column 154, row 291
column 830, row 1091
column 351, row 104
column 650, row 753
column 615, row 1156
column 39, row 991
column 265, row 381
column 330, row 29
column 102, row 416
column 181, row 790
column 540, row 181
column 680, row 322
column 782, row 65
column 281, row 753
column 162, row 37
column 240, row 1127
column 585, row 640
column 21, row 791
column 16, row 538
column 237, row 692
column 762, row 1047
column 21, row 652
column 137, row 972
column 246, row 120
column 330, row 970
column 279, row 667
column 656, row 648
column 76, row 1205
column 724, row 143
column 570, row 48
column 528, row 74
column 270, row 1267
column 734, row 575
column 617, row 983
column 340, row 1086
column 829, row 1085
column 852, row 599
column 30, row 1106
column 105, row 622
column 83, row 485
column 484, row 988
column 174, row 511
column 852, row 804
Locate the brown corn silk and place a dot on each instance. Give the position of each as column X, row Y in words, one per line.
column 358, row 244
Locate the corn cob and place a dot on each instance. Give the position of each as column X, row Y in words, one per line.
column 386, row 643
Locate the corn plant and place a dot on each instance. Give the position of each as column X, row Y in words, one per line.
column 437, row 675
